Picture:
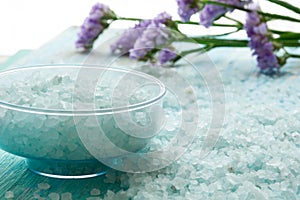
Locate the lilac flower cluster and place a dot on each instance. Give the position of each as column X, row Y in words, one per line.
column 263, row 48
column 186, row 8
column 94, row 25
column 144, row 40
column 128, row 37
column 166, row 54
column 211, row 12
column 154, row 36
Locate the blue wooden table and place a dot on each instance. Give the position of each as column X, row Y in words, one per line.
column 195, row 178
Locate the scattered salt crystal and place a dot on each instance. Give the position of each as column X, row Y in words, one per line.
column 179, row 182
column 93, row 198
column 110, row 195
column 232, row 196
column 56, row 80
column 110, row 177
column 141, row 118
column 170, row 123
column 72, row 147
column 66, row 196
column 95, row 192
column 289, row 195
column 52, row 122
column 43, row 186
column 36, row 193
column 38, row 122
column 19, row 116
column 9, row 195
column 189, row 90
column 2, row 112
column 151, row 187
column 252, row 190
column 54, row 196
column 259, row 142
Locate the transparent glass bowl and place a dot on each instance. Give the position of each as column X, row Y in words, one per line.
column 60, row 117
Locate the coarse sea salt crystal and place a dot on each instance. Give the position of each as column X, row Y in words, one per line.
column 36, row 194
column 2, row 112
column 51, row 122
column 110, row 195
column 54, row 196
column 55, row 93
column 66, row 196
column 44, row 186
column 93, row 198
column 95, row 192
column 9, row 195
column 257, row 146
column 289, row 195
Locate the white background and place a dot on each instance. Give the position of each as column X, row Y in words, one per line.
column 27, row 24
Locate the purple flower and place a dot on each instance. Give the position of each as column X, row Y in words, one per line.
column 186, row 8
column 162, row 18
column 257, row 31
column 211, row 12
column 153, row 37
column 144, row 37
column 166, row 55
column 128, row 37
column 94, row 25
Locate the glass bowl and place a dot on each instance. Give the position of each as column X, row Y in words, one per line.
column 58, row 117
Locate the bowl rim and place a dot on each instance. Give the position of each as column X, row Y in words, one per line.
column 102, row 111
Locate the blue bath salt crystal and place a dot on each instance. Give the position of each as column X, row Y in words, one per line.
column 54, row 196
column 256, row 155
column 45, row 137
column 66, row 196
column 95, row 192
column 9, row 195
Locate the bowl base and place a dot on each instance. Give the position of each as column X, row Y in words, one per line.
column 67, row 169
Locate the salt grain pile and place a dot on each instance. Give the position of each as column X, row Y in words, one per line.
column 256, row 156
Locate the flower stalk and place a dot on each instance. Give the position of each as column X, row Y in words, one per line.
column 286, row 5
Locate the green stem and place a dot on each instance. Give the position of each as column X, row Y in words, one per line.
column 128, row 19
column 237, row 21
column 270, row 15
column 227, row 25
column 288, row 43
column 286, row 5
column 286, row 35
column 196, row 50
column 200, row 50
column 227, row 33
column 293, row 55
column 283, row 32
column 189, row 22
column 216, row 42
column 281, row 17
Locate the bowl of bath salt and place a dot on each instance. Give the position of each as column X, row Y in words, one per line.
column 58, row 116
